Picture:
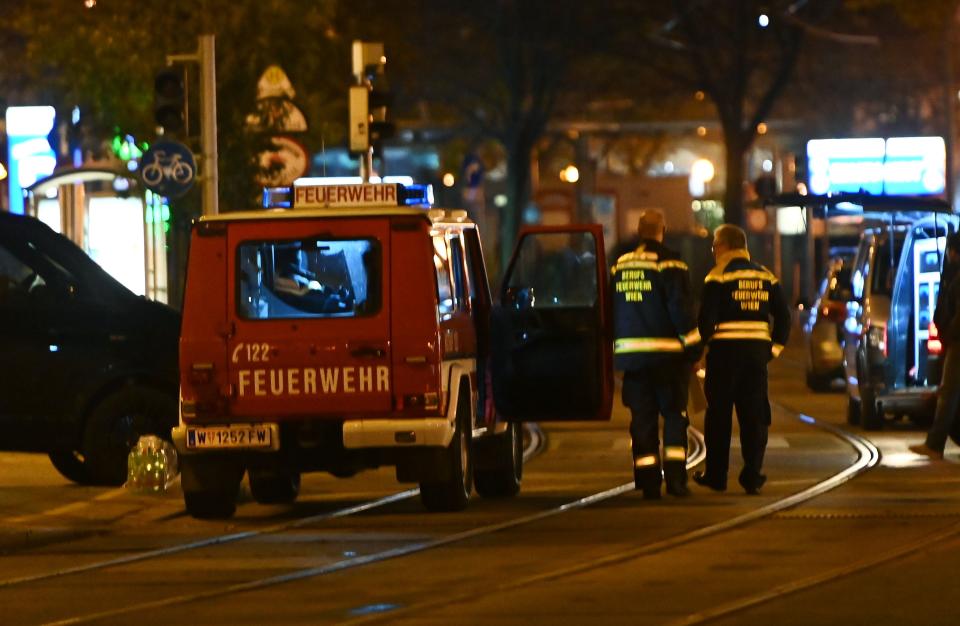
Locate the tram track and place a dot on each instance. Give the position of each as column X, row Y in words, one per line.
column 867, row 457
column 696, row 454
column 536, row 446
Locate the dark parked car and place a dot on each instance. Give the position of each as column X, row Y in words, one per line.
column 86, row 367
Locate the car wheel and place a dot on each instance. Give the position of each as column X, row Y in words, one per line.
column 210, row 486
column 273, row 487
column 115, row 426
column 501, row 473
column 853, row 411
column 870, row 417
column 70, row 465
column 452, row 492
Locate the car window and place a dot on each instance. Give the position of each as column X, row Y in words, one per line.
column 316, row 278
column 839, row 287
column 441, row 263
column 16, row 278
column 459, row 271
column 885, row 266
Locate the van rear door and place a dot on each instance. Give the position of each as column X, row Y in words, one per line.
column 309, row 300
column 551, row 332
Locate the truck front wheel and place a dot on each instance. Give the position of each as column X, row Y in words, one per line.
column 500, row 463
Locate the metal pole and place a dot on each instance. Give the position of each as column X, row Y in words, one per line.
column 808, row 275
column 208, row 124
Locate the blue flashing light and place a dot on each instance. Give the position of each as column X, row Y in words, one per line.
column 417, row 195
column 277, row 197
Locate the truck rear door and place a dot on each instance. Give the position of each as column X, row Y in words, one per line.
column 309, row 304
column 551, row 331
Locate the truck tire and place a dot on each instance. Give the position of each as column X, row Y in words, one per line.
column 117, row 423
column 210, row 486
column 452, row 493
column 500, row 474
column 70, row 465
column 273, row 487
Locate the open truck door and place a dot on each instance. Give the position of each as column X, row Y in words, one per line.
column 551, row 346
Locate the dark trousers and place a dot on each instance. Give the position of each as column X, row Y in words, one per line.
column 948, row 400
column 650, row 392
column 735, row 378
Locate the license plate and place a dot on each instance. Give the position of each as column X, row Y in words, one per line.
column 231, row 436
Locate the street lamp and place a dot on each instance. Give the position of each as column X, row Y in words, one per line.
column 570, row 174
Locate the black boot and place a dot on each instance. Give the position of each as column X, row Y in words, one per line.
column 675, row 476
column 648, row 481
column 703, row 480
column 752, row 482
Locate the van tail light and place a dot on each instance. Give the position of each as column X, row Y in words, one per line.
column 421, row 402
column 934, row 346
column 877, row 338
column 835, row 314
column 201, row 373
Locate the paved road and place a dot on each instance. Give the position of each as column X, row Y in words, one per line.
column 868, row 551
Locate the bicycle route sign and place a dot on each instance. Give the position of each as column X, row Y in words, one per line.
column 168, row 168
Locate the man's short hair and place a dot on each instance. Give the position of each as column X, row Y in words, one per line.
column 651, row 224
column 730, row 236
column 953, row 242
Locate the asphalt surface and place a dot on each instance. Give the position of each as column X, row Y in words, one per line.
column 881, row 548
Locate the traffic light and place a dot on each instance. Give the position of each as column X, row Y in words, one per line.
column 370, row 99
column 169, row 100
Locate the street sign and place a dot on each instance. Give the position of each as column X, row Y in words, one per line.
column 168, row 168
column 285, row 163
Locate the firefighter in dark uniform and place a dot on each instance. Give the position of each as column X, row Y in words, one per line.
column 738, row 302
column 656, row 341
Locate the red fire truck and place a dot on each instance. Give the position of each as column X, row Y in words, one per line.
column 353, row 327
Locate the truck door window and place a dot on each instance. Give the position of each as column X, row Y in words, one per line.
column 556, row 270
column 313, row 278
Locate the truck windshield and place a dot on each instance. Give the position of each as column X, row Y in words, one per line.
column 312, row 278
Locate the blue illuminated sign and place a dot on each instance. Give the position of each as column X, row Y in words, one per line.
column 30, row 155
column 894, row 166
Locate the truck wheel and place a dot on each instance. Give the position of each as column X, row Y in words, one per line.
column 853, row 411
column 70, row 465
column 210, row 486
column 452, row 493
column 210, row 504
column 500, row 476
column 115, row 426
column 273, row 487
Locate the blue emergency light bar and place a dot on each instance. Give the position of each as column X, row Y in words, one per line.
column 343, row 196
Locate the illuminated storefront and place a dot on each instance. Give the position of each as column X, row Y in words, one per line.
column 122, row 227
